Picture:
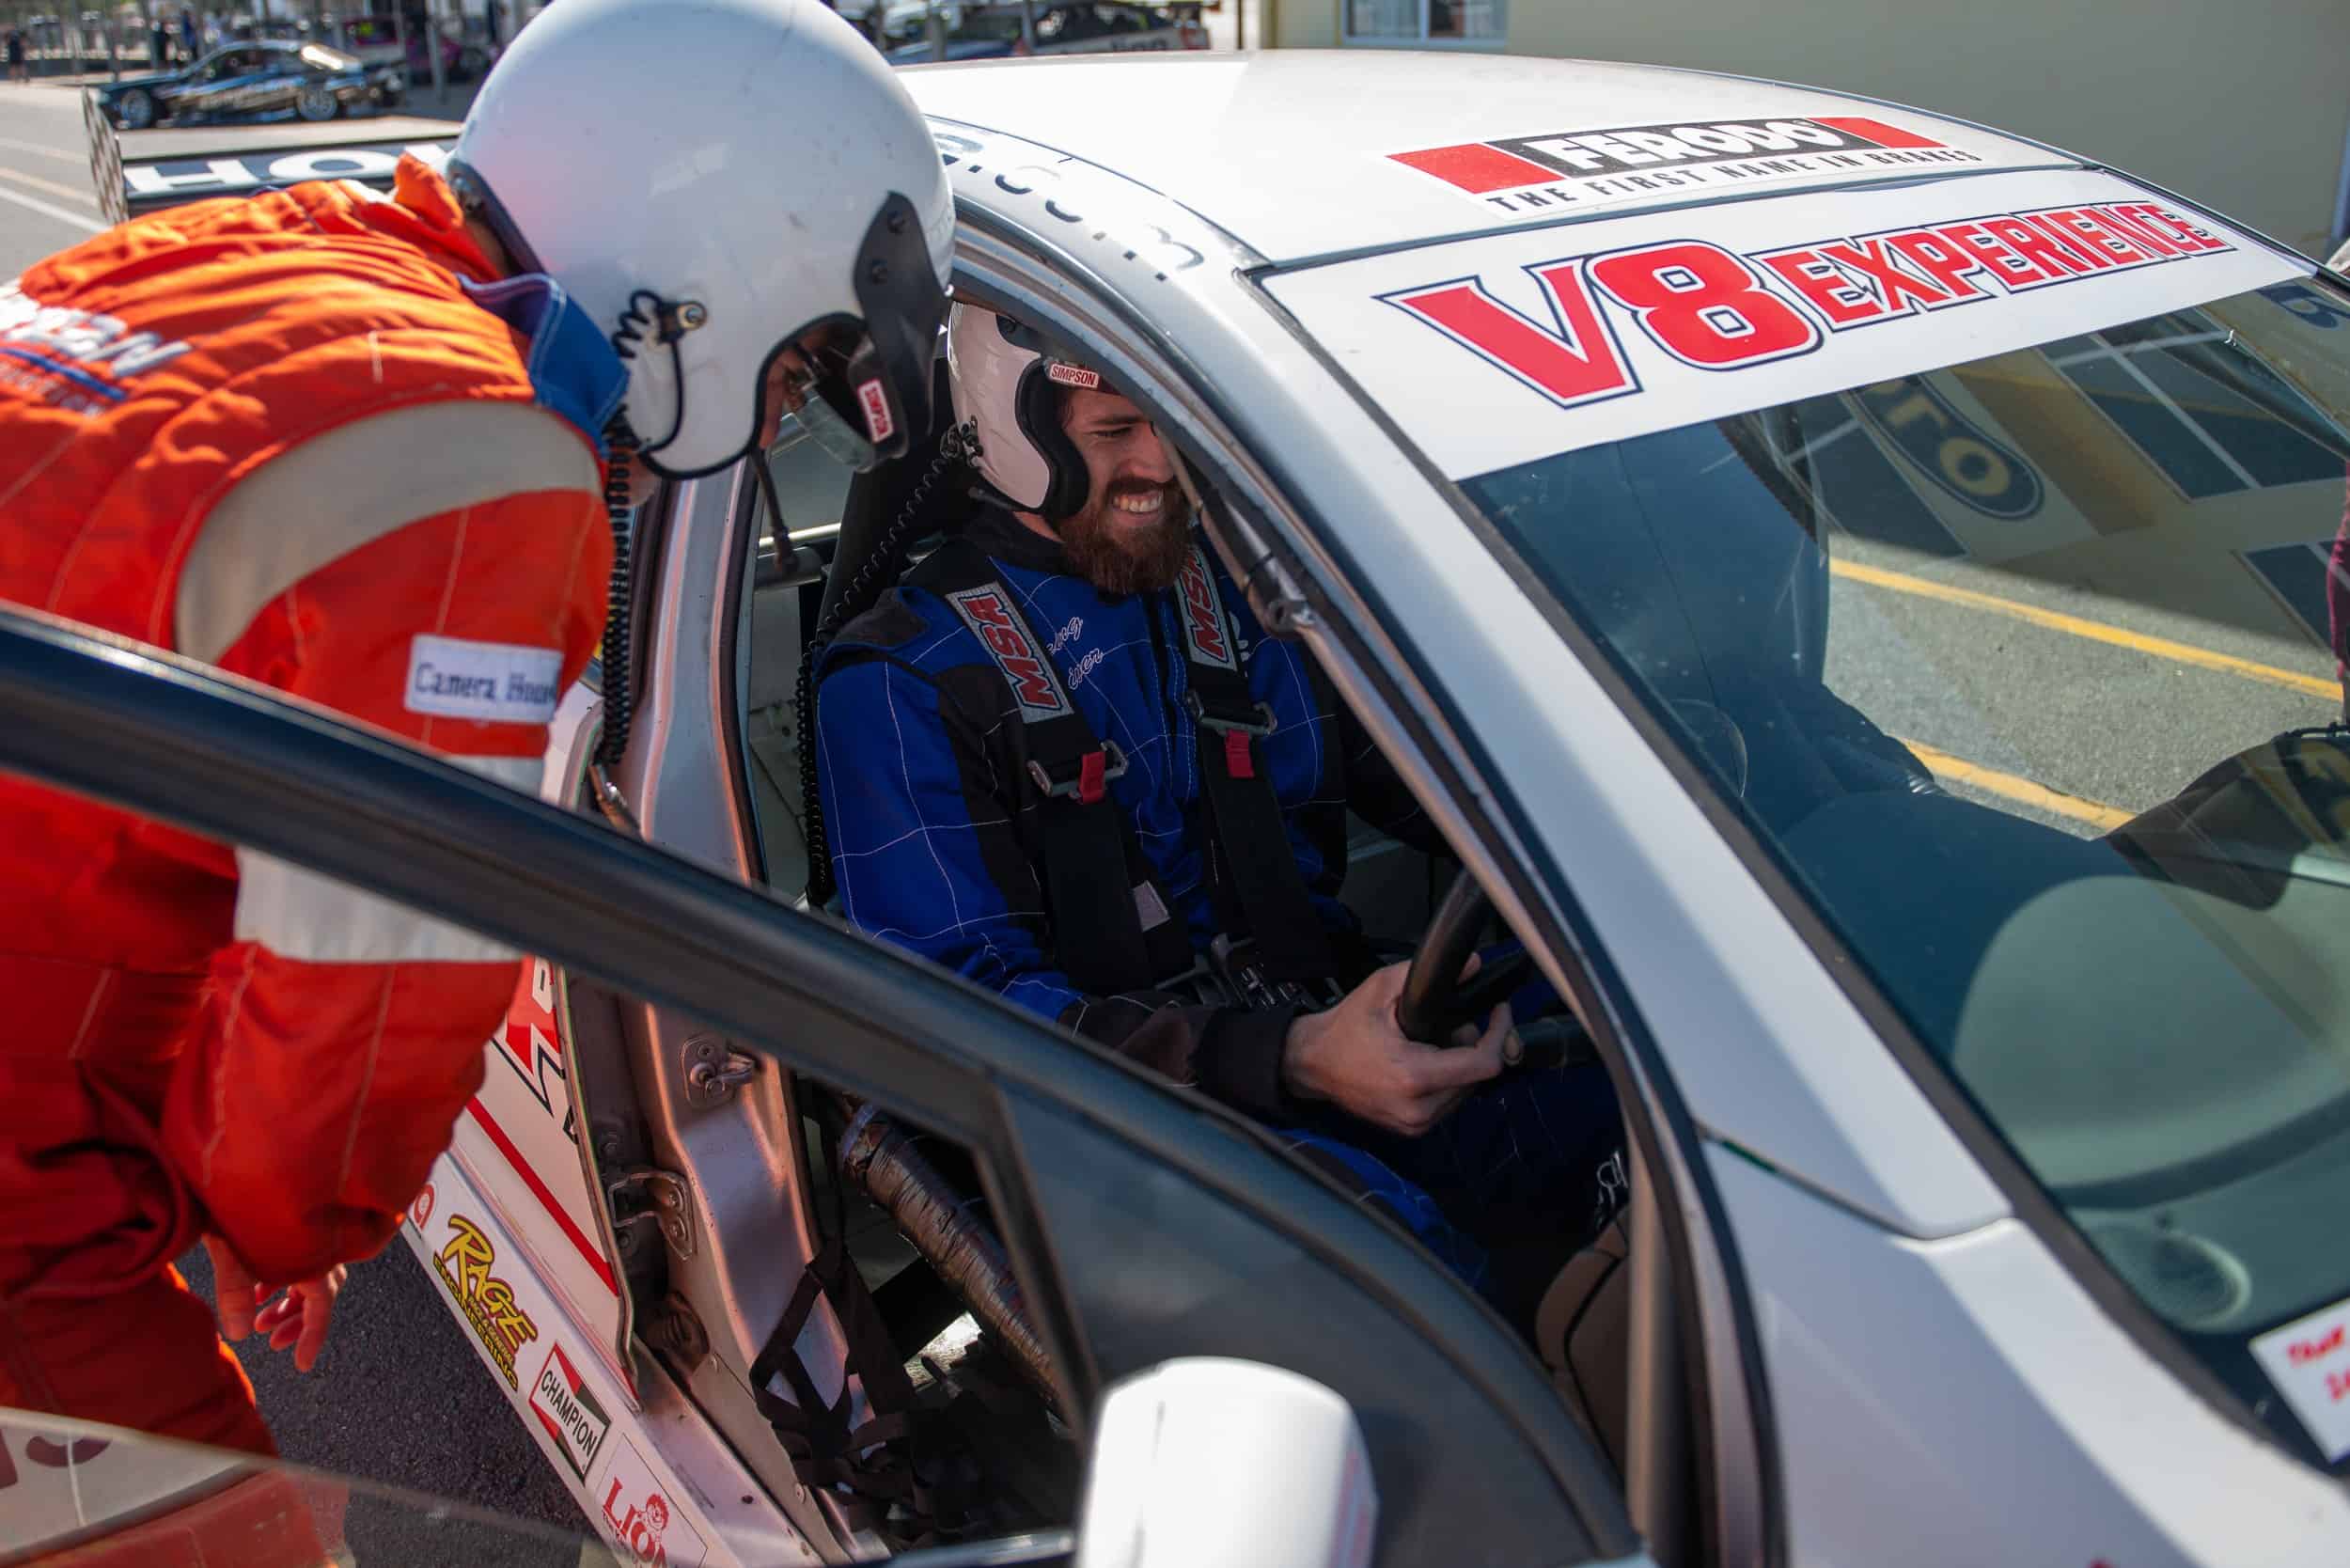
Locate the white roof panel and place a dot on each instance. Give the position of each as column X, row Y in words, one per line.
column 1299, row 154
column 1495, row 351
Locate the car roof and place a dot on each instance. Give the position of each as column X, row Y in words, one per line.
column 1293, row 152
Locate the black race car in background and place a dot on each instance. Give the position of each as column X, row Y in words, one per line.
column 258, row 80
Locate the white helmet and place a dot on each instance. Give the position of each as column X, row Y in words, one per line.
column 1003, row 373
column 719, row 177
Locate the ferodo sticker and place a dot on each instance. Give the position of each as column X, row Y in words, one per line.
column 1478, row 347
column 1573, row 169
column 464, row 1264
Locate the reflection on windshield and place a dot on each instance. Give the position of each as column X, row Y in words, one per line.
column 70, row 1492
column 2028, row 669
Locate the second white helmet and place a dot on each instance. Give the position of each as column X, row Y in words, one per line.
column 1003, row 373
column 721, row 177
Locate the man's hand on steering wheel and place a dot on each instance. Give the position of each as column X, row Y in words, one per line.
column 1356, row 1056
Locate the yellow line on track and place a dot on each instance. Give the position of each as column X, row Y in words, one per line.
column 2094, row 630
column 2019, row 789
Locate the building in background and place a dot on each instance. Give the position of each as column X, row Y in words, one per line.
column 2245, row 108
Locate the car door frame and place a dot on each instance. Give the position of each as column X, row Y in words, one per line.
column 1279, row 542
column 233, row 762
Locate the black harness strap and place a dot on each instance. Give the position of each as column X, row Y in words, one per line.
column 1098, row 926
column 1260, row 887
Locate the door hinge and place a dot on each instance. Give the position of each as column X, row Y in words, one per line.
column 661, row 1198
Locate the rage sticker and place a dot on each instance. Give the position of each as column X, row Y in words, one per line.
column 487, row 1302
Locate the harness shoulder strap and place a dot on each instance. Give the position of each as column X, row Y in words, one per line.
column 1250, row 855
column 1097, row 924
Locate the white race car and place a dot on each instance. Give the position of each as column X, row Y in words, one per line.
column 1853, row 587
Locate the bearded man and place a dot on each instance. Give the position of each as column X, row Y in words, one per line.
column 1062, row 759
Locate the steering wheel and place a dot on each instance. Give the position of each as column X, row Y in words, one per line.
column 1436, row 1000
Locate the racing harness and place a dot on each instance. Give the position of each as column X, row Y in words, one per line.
column 1118, row 934
column 885, row 1460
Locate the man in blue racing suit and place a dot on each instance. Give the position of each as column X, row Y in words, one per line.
column 1062, row 759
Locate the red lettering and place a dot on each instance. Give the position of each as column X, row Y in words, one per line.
column 1005, row 641
column 1029, row 682
column 1579, row 363
column 990, row 609
column 1895, row 286
column 2037, row 247
column 2300, row 1351
column 2091, row 237
column 1931, row 255
column 2002, row 263
column 1702, row 304
column 1843, row 302
column 2068, row 244
column 2185, row 235
column 609, row 1498
column 2337, row 1386
column 2120, row 222
column 1206, row 632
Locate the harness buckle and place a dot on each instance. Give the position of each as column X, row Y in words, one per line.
column 1224, row 724
column 1095, row 769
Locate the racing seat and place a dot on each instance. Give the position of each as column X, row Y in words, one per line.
column 1583, row 1330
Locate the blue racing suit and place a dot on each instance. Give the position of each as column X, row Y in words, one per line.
column 935, row 847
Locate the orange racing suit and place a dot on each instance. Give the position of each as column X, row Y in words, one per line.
column 312, row 437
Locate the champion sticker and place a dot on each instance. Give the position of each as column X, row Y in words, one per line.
column 498, row 683
column 878, row 424
column 1074, row 375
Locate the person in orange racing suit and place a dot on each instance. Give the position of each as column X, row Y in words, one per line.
column 353, row 448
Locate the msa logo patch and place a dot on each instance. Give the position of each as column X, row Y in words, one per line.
column 569, row 1412
column 1204, row 630
column 499, row 682
column 1034, row 686
column 1568, row 168
column 878, row 424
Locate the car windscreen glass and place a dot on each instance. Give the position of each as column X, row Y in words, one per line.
column 1974, row 535
column 319, row 58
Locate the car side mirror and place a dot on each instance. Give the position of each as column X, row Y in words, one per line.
column 1245, row 1465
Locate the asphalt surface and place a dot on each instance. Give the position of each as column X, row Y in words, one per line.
column 401, row 1400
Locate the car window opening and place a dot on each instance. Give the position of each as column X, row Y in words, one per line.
column 921, row 1238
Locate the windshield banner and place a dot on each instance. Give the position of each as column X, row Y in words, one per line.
column 1500, row 349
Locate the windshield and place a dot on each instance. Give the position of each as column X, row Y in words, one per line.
column 2016, row 647
column 318, row 57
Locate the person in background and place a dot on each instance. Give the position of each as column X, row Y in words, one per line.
column 206, row 1042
